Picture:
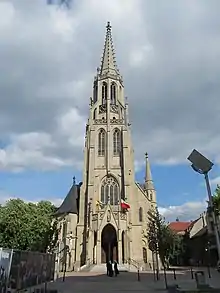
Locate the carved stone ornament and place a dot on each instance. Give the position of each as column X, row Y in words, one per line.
column 116, row 215
column 116, row 121
column 95, row 217
column 101, row 215
column 114, row 109
column 123, row 216
column 102, row 109
column 108, row 216
column 101, row 121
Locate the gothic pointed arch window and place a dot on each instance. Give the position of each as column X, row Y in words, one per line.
column 101, row 142
column 95, row 92
column 116, row 142
column 113, row 93
column 140, row 214
column 94, row 113
column 104, row 93
column 110, row 191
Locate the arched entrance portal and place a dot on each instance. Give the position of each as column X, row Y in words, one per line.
column 109, row 244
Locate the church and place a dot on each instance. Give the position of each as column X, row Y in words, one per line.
column 104, row 218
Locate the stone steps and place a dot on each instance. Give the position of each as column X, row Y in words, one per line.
column 101, row 268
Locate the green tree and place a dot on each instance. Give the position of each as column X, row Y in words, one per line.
column 216, row 200
column 160, row 237
column 27, row 226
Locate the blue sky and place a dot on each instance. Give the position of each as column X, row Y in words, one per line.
column 175, row 185
column 168, row 55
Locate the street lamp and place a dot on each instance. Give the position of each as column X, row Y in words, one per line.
column 202, row 165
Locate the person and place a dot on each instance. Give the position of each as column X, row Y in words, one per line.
column 110, row 269
column 116, row 268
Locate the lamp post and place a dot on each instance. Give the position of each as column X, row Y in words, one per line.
column 202, row 165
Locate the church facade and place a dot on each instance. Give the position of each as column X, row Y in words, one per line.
column 105, row 217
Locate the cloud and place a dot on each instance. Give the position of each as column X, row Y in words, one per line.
column 215, row 181
column 169, row 57
column 4, row 197
column 185, row 212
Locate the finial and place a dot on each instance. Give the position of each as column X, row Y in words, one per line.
column 74, row 180
column 108, row 26
column 146, row 155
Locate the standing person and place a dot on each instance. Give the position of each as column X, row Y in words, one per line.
column 116, row 268
column 110, row 269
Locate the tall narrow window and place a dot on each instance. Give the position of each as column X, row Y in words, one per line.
column 94, row 113
column 95, row 93
column 140, row 215
column 103, row 194
column 116, row 142
column 104, row 93
column 101, row 142
column 113, row 93
column 110, row 191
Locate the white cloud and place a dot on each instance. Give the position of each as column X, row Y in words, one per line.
column 4, row 197
column 167, row 55
column 186, row 212
column 215, row 181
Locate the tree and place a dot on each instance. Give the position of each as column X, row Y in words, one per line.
column 27, row 226
column 216, row 200
column 160, row 237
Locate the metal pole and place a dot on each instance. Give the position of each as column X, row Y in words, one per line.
column 157, row 268
column 212, row 213
column 165, row 277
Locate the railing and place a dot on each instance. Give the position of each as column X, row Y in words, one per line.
column 137, row 265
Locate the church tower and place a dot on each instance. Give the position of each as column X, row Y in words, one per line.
column 112, row 208
column 105, row 217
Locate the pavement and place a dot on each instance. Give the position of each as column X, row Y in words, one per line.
column 97, row 281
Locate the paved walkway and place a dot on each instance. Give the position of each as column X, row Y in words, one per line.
column 79, row 282
column 96, row 282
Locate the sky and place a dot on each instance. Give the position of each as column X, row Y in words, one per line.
column 169, row 55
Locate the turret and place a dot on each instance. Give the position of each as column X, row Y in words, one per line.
column 149, row 185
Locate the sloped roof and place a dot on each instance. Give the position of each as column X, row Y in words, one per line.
column 179, row 226
column 69, row 205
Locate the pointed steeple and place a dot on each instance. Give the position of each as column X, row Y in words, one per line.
column 108, row 62
column 149, row 185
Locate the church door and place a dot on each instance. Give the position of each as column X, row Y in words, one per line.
column 109, row 251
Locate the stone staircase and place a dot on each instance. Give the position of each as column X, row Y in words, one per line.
column 132, row 266
column 101, row 268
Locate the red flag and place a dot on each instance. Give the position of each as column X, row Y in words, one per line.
column 124, row 205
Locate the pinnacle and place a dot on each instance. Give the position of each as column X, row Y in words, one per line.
column 108, row 61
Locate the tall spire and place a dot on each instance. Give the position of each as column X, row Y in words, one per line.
column 149, row 185
column 108, row 63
